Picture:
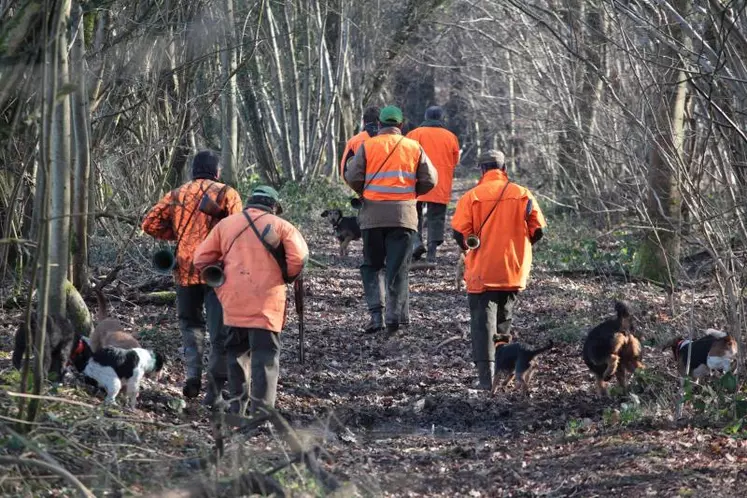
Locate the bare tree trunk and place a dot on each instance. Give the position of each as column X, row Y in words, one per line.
column 511, row 141
column 230, row 128
column 659, row 253
column 82, row 160
column 59, row 179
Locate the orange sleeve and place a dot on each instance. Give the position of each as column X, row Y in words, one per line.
column 535, row 219
column 455, row 150
column 296, row 251
column 344, row 160
column 209, row 251
column 158, row 222
column 233, row 202
column 462, row 220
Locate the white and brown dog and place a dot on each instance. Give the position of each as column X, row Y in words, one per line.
column 717, row 350
column 109, row 332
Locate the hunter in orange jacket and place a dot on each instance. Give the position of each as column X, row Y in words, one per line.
column 370, row 129
column 389, row 171
column 177, row 217
column 442, row 148
column 260, row 252
column 507, row 221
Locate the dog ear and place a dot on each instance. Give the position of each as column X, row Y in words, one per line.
column 325, row 213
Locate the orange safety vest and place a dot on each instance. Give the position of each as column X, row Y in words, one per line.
column 504, row 258
column 442, row 148
column 352, row 146
column 391, row 168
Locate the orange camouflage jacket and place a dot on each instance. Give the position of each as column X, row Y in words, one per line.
column 177, row 217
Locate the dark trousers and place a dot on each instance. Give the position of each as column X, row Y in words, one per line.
column 434, row 219
column 387, row 249
column 189, row 305
column 490, row 313
column 263, row 348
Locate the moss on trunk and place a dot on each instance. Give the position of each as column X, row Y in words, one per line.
column 77, row 311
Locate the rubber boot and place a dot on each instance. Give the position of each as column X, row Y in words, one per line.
column 374, row 291
column 391, row 330
column 192, row 387
column 432, row 247
column 213, row 394
column 418, row 249
column 375, row 323
column 485, row 370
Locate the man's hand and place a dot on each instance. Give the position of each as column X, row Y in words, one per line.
column 536, row 236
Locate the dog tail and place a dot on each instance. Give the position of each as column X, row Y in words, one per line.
column 535, row 352
column 718, row 334
column 102, row 312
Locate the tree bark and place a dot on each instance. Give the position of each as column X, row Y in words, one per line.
column 82, row 160
column 59, row 179
column 658, row 256
column 230, row 128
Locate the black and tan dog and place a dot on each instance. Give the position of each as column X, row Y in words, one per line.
column 717, row 350
column 611, row 349
column 58, row 344
column 346, row 228
column 514, row 361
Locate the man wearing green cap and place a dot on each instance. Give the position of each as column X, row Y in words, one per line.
column 389, row 171
column 260, row 252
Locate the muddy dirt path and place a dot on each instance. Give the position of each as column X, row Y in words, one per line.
column 420, row 430
column 399, row 417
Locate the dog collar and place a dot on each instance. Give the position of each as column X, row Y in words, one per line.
column 338, row 223
column 75, row 352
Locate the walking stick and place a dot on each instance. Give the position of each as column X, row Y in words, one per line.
column 298, row 295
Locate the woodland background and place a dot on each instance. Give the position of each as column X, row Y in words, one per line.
column 628, row 118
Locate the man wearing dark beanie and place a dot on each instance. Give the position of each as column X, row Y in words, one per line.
column 177, row 216
column 370, row 129
column 442, row 147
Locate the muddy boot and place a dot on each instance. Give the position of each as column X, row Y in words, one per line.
column 213, row 396
column 485, row 371
column 418, row 249
column 431, row 257
column 391, row 330
column 192, row 387
column 375, row 323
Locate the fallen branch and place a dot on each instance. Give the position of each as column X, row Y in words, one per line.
column 48, row 398
column 447, row 341
column 19, row 242
column 422, row 265
column 82, row 489
column 158, row 297
column 118, row 217
column 316, row 263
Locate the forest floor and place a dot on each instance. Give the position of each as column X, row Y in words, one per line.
column 407, row 422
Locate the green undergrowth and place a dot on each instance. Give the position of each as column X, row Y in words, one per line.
column 572, row 244
column 303, row 202
column 722, row 401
